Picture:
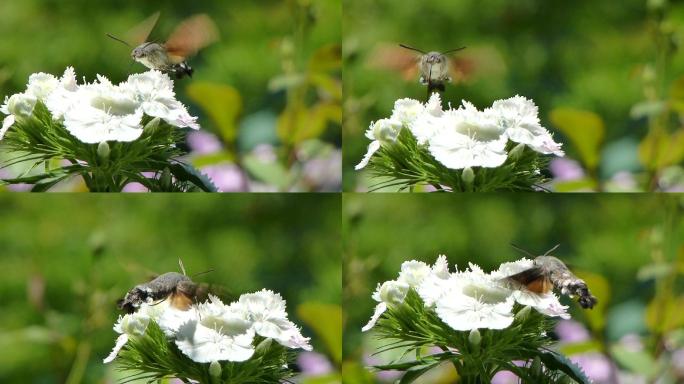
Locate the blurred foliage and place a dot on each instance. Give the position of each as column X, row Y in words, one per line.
column 607, row 79
column 69, row 260
column 628, row 248
column 273, row 80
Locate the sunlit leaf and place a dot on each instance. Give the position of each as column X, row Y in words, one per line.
column 581, row 347
column 585, row 129
column 664, row 313
column 326, row 321
column 326, row 58
column 581, row 185
column 333, row 378
column 601, row 289
column 299, row 123
column 660, row 149
column 221, row 102
column 328, row 84
column 212, row 158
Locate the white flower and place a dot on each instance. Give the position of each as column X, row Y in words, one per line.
column 546, row 303
column 425, row 125
column 64, row 96
column 266, row 311
column 464, row 313
column 437, row 284
column 41, row 84
column 407, row 110
column 128, row 325
column 153, row 90
column 103, row 112
column 413, row 272
column 205, row 344
column 519, row 118
column 7, row 122
column 468, row 138
column 382, row 132
column 391, row 292
column 379, row 310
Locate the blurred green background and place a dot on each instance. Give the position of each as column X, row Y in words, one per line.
column 267, row 94
column 67, row 261
column 628, row 248
column 607, row 79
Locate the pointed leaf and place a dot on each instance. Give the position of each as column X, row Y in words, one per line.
column 187, row 173
column 585, row 129
column 221, row 102
column 556, row 361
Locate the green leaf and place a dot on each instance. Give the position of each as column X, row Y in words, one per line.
column 575, row 185
column 222, row 103
column 664, row 313
column 414, row 373
column 660, row 149
column 585, row 129
column 272, row 173
column 299, row 123
column 330, row 330
column 212, row 158
column 326, row 58
column 581, row 347
column 635, row 361
column 556, row 361
column 187, row 173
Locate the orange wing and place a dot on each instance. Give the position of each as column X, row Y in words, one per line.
column 181, row 301
column 139, row 34
column 190, row 36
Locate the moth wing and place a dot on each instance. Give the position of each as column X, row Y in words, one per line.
column 395, row 58
column 190, row 36
column 141, row 32
column 180, row 301
column 527, row 276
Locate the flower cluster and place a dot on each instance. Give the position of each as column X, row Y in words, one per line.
column 467, row 300
column 481, row 323
column 465, row 137
column 213, row 331
column 99, row 111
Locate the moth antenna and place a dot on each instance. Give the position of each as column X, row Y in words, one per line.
column 202, row 273
column 551, row 250
column 119, row 40
column 454, row 50
column 525, row 251
column 180, row 263
column 411, row 48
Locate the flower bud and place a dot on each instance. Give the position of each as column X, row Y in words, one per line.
column 215, row 371
column 517, row 151
column 263, row 346
column 103, row 150
column 21, row 104
column 393, row 292
column 523, row 313
column 474, row 338
column 152, row 125
column 386, row 130
column 536, row 367
column 468, row 176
